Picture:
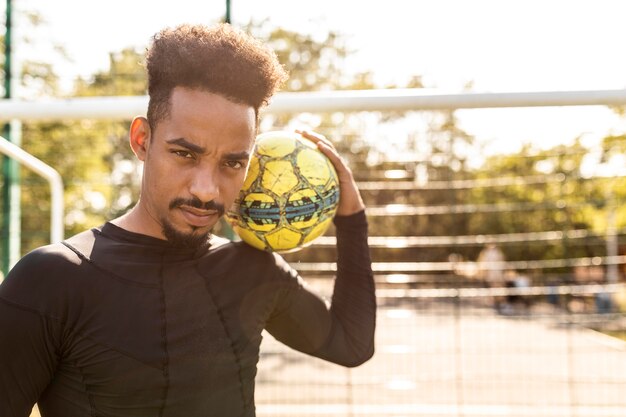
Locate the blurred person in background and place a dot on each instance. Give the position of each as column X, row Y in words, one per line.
column 491, row 266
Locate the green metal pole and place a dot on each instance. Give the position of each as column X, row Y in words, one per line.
column 227, row 17
column 10, row 168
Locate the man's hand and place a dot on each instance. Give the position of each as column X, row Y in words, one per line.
column 350, row 201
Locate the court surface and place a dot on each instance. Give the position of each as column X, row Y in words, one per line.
column 447, row 362
column 442, row 361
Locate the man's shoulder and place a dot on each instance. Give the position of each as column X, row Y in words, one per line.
column 41, row 277
column 46, row 258
column 50, row 262
column 82, row 244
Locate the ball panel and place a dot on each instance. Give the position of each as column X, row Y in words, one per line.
column 313, row 166
column 276, row 146
column 302, row 208
column 252, row 174
column 250, row 238
column 317, row 231
column 279, row 177
column 283, row 239
column 259, row 212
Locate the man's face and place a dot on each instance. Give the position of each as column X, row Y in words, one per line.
column 195, row 163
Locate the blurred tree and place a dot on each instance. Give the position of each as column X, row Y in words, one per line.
column 124, row 77
column 99, row 171
column 313, row 63
column 612, row 160
column 37, row 77
column 2, row 62
column 560, row 197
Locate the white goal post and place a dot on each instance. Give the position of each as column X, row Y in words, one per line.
column 48, row 173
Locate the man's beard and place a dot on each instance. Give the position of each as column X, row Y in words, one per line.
column 194, row 239
column 191, row 240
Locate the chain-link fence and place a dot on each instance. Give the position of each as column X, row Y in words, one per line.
column 454, row 353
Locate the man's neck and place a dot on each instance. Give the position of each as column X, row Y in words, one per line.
column 137, row 220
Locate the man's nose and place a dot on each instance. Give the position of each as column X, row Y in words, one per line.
column 204, row 185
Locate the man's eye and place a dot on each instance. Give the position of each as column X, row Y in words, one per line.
column 183, row 154
column 234, row 164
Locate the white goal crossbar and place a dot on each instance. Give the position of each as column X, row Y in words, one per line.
column 124, row 107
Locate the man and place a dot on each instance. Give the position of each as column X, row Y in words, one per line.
column 149, row 315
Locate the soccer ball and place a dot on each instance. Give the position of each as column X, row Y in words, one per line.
column 289, row 196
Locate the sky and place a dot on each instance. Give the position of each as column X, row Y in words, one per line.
column 496, row 45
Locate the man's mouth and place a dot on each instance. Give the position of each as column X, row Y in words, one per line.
column 196, row 213
column 197, row 217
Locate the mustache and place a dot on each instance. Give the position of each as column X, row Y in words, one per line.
column 196, row 203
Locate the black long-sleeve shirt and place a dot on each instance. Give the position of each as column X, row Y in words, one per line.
column 112, row 323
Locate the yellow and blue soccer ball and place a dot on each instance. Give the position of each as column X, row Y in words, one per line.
column 290, row 194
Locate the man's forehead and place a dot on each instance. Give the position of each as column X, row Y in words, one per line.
column 200, row 117
column 232, row 147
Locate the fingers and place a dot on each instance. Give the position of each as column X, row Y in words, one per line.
column 316, row 138
column 326, row 147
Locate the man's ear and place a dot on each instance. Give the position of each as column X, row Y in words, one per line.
column 140, row 137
